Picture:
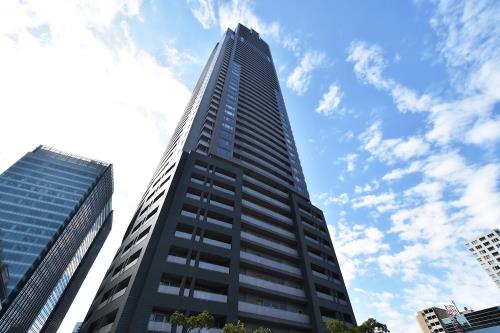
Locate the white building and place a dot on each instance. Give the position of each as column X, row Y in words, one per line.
column 486, row 249
column 429, row 320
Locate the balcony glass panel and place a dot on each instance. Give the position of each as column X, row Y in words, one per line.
column 269, row 212
column 216, row 243
column 271, row 285
column 219, row 222
column 172, row 290
column 266, row 226
column 209, row 296
column 213, row 267
column 265, row 311
column 274, row 245
column 270, row 263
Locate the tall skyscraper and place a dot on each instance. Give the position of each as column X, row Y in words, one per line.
column 226, row 223
column 486, row 250
column 55, row 213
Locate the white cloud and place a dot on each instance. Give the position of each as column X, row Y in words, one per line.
column 241, row 11
column 390, row 150
column 401, row 172
column 353, row 245
column 330, row 100
column 350, row 160
column 72, row 78
column 382, row 202
column 374, row 185
column 178, row 61
column 203, row 11
column 327, row 198
column 429, row 191
column 484, row 131
column 292, row 43
column 368, row 63
column 300, row 78
column 470, row 46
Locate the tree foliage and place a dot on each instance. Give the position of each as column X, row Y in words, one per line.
column 336, row 326
column 263, row 330
column 238, row 327
column 201, row 320
column 369, row 326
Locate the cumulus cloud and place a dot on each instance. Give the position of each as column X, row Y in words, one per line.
column 383, row 202
column 241, row 11
column 470, row 46
column 390, row 150
column 300, row 78
column 203, row 11
column 327, row 198
column 330, row 101
column 350, row 160
column 352, row 244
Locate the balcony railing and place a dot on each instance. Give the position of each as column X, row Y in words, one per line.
column 269, row 263
column 266, row 311
column 219, row 222
column 171, row 290
column 266, row 226
column 318, row 274
column 271, row 244
column 259, row 208
column 214, row 242
column 213, row 267
column 209, row 296
column 324, row 296
column 264, row 284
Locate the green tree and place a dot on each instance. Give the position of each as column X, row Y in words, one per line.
column 201, row 320
column 263, row 330
column 239, row 327
column 336, row 326
column 371, row 325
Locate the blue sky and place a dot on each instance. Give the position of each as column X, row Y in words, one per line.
column 394, row 107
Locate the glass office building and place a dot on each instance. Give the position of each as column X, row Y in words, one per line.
column 55, row 213
column 226, row 223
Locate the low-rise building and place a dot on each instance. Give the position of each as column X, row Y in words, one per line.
column 430, row 320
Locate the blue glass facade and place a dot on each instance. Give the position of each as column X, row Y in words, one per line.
column 37, row 194
column 52, row 206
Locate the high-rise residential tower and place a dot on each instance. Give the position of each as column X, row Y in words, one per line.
column 55, row 213
column 486, row 250
column 226, row 223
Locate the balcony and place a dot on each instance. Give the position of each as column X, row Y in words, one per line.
column 265, row 311
column 213, row 267
column 264, row 210
column 318, row 274
column 272, row 264
column 324, row 296
column 266, row 198
column 171, row 290
column 209, row 296
column 214, row 242
column 274, row 245
column 272, row 286
column 266, row 226
column 219, row 222
column 316, row 256
column 176, row 259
